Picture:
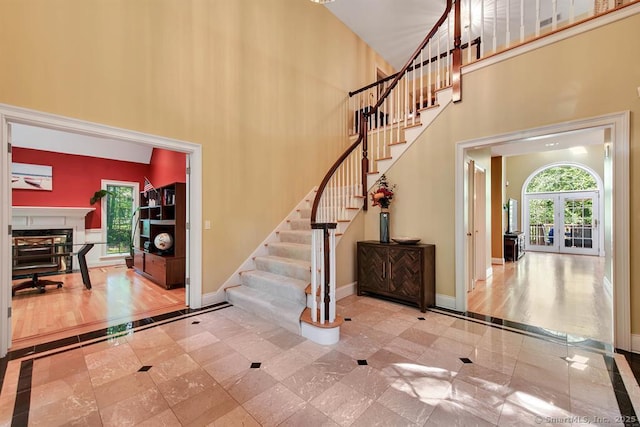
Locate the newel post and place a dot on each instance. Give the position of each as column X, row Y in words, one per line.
column 365, row 160
column 457, row 54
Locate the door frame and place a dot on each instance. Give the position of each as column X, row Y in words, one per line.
column 16, row 115
column 618, row 123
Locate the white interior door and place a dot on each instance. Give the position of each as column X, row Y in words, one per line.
column 563, row 222
column 470, row 264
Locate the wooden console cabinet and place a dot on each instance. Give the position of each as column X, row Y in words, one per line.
column 406, row 273
column 162, row 211
column 513, row 246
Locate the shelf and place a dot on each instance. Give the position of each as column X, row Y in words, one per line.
column 162, row 221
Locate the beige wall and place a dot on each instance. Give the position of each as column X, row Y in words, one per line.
column 519, row 168
column 262, row 85
column 565, row 81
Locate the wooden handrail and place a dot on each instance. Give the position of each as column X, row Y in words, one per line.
column 362, row 138
column 475, row 42
column 327, row 177
column 402, row 72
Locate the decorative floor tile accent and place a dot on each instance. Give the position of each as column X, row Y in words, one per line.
column 421, row 318
column 255, row 365
column 347, row 319
column 195, row 322
column 362, row 362
column 465, row 360
column 145, row 368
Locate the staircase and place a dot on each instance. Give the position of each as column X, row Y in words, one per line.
column 275, row 284
column 276, row 288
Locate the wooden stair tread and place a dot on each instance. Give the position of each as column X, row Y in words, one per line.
column 306, row 318
column 383, row 158
column 397, row 143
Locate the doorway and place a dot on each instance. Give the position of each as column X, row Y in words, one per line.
column 616, row 127
column 13, row 115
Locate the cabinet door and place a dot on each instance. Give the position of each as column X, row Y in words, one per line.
column 405, row 272
column 372, row 268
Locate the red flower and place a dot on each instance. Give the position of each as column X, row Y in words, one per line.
column 383, row 195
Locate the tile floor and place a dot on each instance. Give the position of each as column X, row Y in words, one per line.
column 394, row 366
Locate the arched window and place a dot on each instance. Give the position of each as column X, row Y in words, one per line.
column 561, row 178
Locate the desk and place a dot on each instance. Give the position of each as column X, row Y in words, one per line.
column 42, row 258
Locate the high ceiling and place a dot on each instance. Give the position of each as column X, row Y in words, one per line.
column 393, row 28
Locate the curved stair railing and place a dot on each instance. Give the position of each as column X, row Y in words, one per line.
column 380, row 124
column 383, row 110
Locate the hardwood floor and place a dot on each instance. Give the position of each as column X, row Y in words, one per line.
column 118, row 295
column 556, row 291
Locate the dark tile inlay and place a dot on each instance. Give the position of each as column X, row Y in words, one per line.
column 465, row 360
column 362, row 362
column 421, row 318
column 256, row 365
column 347, row 319
column 195, row 322
column 629, row 416
column 145, row 368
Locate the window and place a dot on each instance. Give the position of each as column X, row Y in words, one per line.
column 117, row 216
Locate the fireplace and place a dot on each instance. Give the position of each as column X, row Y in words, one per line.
column 64, row 223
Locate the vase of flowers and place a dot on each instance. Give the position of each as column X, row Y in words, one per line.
column 382, row 196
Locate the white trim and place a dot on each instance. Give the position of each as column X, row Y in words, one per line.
column 498, row 261
column 11, row 114
column 346, row 290
column 446, row 301
column 635, row 343
column 524, row 212
column 212, row 298
column 589, row 25
column 31, row 211
column 619, row 125
column 135, row 186
column 608, row 286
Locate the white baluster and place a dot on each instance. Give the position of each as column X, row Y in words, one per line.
column 495, row 26
column 508, row 27
column 537, row 18
column 322, row 275
column 469, row 24
column 572, row 11
column 421, row 80
column 482, row 42
column 449, row 56
column 554, row 16
column 521, row 21
column 429, row 72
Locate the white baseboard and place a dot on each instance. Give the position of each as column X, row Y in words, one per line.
column 499, row 261
column 445, row 301
column 346, row 290
column 489, row 272
column 608, row 286
column 212, row 298
column 635, row 343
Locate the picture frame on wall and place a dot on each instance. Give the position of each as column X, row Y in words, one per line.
column 31, row 177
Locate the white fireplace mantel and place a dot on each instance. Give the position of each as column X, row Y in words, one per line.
column 50, row 211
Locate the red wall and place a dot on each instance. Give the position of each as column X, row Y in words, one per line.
column 167, row 167
column 75, row 179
